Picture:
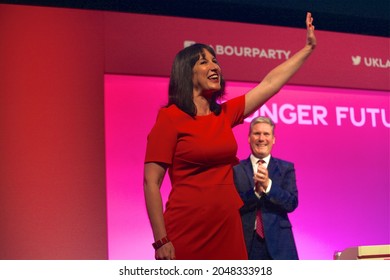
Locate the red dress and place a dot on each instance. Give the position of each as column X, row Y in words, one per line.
column 202, row 212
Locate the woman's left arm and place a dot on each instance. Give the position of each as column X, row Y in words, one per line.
column 279, row 76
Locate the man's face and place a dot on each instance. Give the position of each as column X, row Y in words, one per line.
column 261, row 140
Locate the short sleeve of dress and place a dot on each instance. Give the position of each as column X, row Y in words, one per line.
column 161, row 141
column 234, row 110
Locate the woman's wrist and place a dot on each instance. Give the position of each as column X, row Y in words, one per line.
column 159, row 243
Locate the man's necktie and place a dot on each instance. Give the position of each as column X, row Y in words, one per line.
column 259, row 219
column 259, row 224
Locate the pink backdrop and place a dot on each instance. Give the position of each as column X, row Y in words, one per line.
column 337, row 138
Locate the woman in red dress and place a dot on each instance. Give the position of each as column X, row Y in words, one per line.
column 192, row 139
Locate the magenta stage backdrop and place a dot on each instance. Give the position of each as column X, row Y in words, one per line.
column 337, row 138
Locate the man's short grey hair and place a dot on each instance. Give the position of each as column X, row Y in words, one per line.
column 262, row 120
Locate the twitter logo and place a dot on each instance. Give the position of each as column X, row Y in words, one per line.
column 356, row 60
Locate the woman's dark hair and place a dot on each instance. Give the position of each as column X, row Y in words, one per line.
column 180, row 90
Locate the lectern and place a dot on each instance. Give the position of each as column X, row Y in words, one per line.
column 374, row 252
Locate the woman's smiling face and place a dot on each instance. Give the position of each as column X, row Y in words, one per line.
column 206, row 74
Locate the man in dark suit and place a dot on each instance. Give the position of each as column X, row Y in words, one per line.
column 267, row 186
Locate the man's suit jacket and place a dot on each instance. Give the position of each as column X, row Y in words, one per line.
column 275, row 206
